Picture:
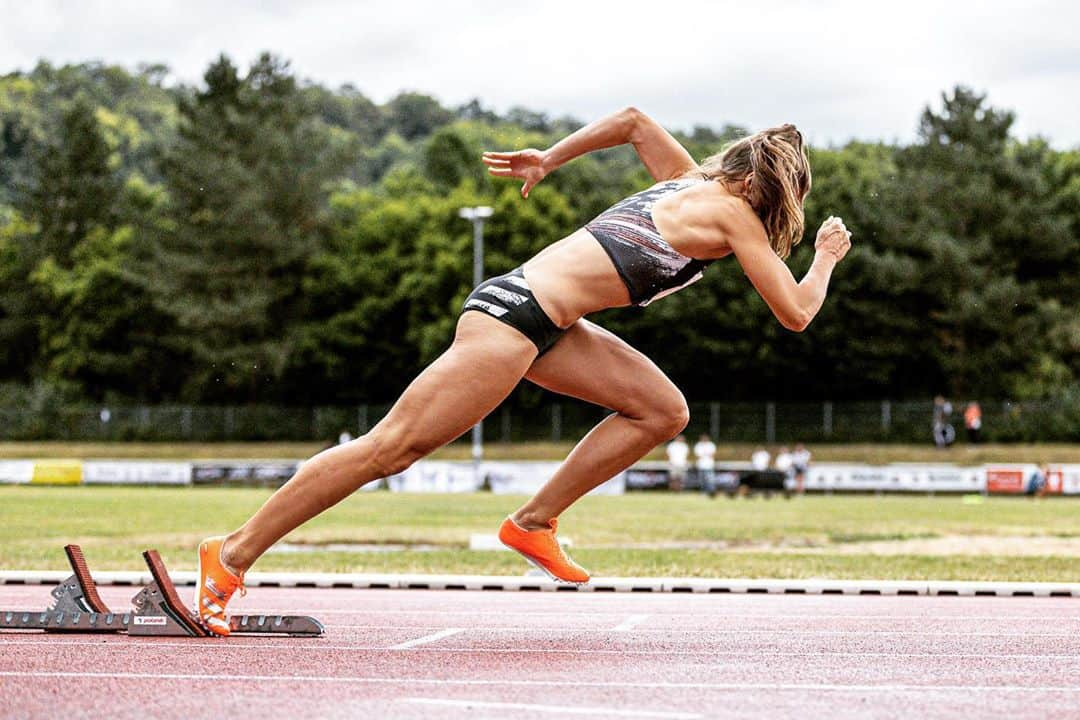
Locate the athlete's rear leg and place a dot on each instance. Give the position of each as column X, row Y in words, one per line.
column 594, row 365
column 484, row 364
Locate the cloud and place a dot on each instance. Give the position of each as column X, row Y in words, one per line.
column 840, row 69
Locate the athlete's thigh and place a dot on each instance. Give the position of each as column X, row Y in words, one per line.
column 595, row 365
column 483, row 365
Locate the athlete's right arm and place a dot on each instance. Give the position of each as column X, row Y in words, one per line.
column 661, row 153
column 793, row 303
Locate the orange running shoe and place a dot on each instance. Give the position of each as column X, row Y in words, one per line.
column 216, row 585
column 542, row 550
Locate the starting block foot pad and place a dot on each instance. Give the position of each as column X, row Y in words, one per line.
column 86, row 581
column 166, row 602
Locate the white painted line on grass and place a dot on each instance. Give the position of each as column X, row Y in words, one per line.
column 433, row 637
column 263, row 646
column 630, row 623
column 560, row 709
column 218, row 678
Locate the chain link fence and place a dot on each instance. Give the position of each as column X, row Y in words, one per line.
column 764, row 422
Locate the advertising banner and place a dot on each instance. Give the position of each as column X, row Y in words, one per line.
column 1070, row 478
column 243, row 472
column 437, row 477
column 57, row 472
column 1007, row 479
column 16, row 472
column 500, row 478
column 136, row 472
column 898, row 477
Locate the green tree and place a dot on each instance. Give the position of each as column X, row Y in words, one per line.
column 74, row 189
column 980, row 219
column 104, row 336
column 248, row 180
column 414, row 115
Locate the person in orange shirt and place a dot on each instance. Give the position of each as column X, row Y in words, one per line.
column 973, row 421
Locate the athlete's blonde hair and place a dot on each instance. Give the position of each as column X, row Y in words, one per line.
column 781, row 168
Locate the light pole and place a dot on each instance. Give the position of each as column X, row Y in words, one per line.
column 477, row 216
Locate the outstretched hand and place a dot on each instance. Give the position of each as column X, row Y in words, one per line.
column 833, row 238
column 527, row 165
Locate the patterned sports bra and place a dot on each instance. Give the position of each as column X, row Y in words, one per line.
column 647, row 264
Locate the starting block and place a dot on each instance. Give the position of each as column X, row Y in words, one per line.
column 157, row 609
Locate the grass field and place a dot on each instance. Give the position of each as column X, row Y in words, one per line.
column 863, row 453
column 633, row 535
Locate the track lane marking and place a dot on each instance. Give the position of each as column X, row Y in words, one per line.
column 722, row 631
column 630, row 623
column 344, row 680
column 279, row 646
column 608, row 613
column 433, row 637
column 561, row 709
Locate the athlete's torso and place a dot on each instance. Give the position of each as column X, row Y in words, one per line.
column 577, row 276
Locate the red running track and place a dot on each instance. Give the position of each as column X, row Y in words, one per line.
column 453, row 654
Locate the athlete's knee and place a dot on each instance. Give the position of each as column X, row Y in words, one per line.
column 671, row 415
column 395, row 451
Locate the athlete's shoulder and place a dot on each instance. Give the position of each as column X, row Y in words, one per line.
column 733, row 216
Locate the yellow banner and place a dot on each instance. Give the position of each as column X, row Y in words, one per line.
column 57, row 472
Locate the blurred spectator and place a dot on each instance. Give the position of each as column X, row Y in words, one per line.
column 784, row 461
column 800, row 460
column 705, row 463
column 678, row 453
column 760, row 459
column 783, row 464
column 944, row 432
column 343, row 437
column 1037, row 483
column 973, row 421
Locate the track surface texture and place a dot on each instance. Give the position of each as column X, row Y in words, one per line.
column 455, row 654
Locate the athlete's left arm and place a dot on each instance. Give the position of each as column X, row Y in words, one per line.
column 661, row 153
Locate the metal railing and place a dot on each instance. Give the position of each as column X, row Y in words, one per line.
column 763, row 422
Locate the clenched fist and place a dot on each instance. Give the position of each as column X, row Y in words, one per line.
column 833, row 238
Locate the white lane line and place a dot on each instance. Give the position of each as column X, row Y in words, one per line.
column 433, row 637
column 727, row 631
column 219, row 678
column 711, row 615
column 560, row 709
column 281, row 646
column 630, row 623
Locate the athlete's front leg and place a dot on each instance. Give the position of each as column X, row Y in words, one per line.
column 484, row 364
column 469, row 380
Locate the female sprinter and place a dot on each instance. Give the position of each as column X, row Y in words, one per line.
column 529, row 323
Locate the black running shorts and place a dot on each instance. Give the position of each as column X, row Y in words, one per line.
column 509, row 299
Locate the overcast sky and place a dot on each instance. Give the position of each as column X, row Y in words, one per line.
column 838, row 69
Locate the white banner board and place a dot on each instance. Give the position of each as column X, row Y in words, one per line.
column 136, row 472
column 501, row 478
column 16, row 472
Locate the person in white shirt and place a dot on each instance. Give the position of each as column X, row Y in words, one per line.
column 705, row 463
column 800, row 460
column 760, row 459
column 678, row 453
column 783, row 463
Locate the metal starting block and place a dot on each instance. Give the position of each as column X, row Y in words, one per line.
column 157, row 610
